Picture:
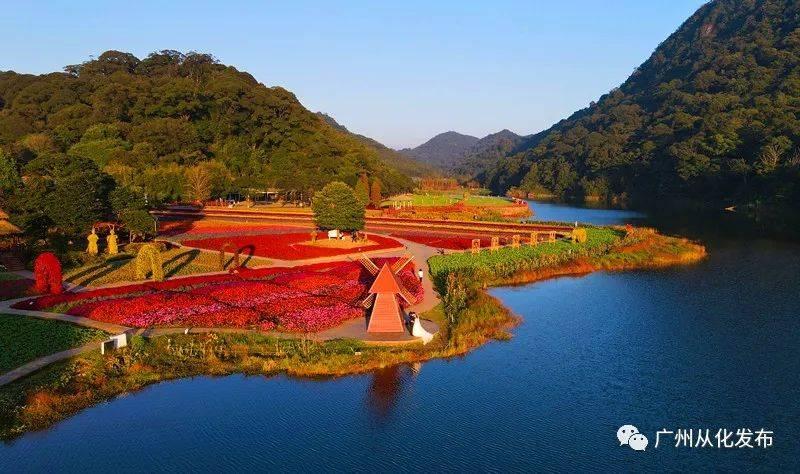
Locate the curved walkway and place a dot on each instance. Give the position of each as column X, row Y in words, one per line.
column 350, row 329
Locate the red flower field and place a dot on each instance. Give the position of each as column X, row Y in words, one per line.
column 444, row 241
column 289, row 246
column 311, row 298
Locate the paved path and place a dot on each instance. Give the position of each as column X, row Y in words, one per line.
column 350, row 329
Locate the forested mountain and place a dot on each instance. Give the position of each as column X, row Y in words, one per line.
column 400, row 162
column 711, row 117
column 444, row 151
column 485, row 153
column 144, row 122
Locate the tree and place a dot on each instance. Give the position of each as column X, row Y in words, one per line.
column 375, row 193
column 362, row 189
column 338, row 207
column 9, row 176
column 198, row 183
column 138, row 222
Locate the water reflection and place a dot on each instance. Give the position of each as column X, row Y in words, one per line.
column 386, row 388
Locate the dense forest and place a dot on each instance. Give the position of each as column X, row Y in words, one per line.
column 172, row 126
column 400, row 162
column 711, row 117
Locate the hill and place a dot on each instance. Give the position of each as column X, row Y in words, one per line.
column 402, row 163
column 143, row 121
column 485, row 153
column 712, row 117
column 444, row 151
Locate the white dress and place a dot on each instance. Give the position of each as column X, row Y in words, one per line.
column 418, row 331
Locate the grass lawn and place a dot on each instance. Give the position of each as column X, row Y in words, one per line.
column 447, row 199
column 24, row 339
column 9, row 276
column 177, row 262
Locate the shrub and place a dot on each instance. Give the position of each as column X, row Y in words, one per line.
column 47, row 270
column 134, row 247
column 579, row 235
column 149, row 256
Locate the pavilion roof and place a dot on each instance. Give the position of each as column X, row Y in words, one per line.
column 385, row 282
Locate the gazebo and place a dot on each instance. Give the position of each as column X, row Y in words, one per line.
column 9, row 233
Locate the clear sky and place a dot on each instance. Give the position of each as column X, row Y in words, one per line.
column 399, row 72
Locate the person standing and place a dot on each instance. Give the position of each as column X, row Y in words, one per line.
column 419, row 274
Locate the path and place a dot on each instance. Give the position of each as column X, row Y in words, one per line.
column 350, row 329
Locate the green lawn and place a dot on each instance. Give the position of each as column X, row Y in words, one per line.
column 24, row 339
column 446, row 199
column 177, row 262
column 9, row 276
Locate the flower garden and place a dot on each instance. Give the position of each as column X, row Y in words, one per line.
column 291, row 246
column 443, row 240
column 310, row 298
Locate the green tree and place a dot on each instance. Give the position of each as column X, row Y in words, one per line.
column 138, row 222
column 338, row 207
column 362, row 189
column 9, row 175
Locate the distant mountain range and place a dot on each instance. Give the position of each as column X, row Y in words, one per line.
column 456, row 152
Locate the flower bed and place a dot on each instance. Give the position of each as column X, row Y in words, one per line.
column 444, row 241
column 16, row 288
column 289, row 246
column 210, row 227
column 310, row 298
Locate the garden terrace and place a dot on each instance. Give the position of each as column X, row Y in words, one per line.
column 294, row 246
column 377, row 223
column 106, row 270
column 303, row 299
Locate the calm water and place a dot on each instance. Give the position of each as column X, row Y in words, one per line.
column 715, row 345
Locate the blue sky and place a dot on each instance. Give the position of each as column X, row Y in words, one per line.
column 399, row 72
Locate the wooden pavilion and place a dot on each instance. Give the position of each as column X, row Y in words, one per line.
column 9, row 233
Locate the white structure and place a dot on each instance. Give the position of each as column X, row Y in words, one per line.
column 334, row 234
column 114, row 342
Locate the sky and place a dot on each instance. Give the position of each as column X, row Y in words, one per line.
column 399, row 72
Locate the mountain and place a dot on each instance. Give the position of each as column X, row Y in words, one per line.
column 488, row 150
column 444, row 151
column 144, row 121
column 712, row 117
column 402, row 163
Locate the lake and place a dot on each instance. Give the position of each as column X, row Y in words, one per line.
column 710, row 346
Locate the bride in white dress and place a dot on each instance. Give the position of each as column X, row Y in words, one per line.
column 418, row 331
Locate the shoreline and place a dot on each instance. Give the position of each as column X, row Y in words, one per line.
column 66, row 388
